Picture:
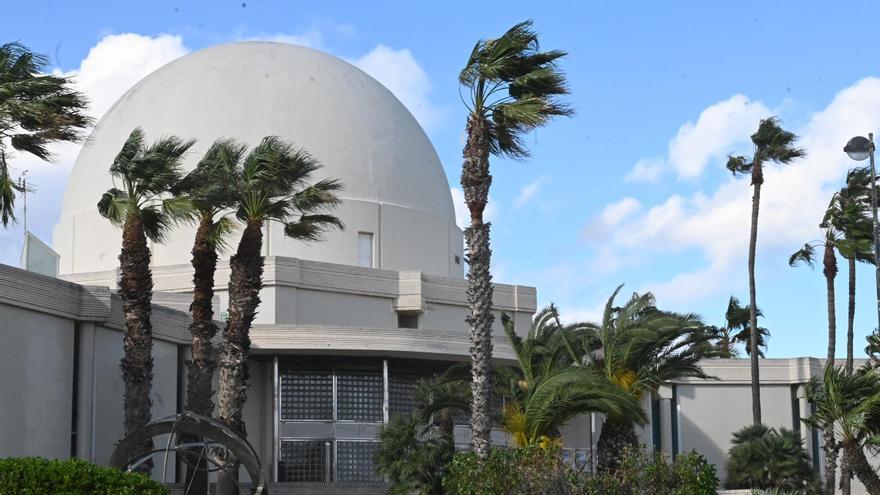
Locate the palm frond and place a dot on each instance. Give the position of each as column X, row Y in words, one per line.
column 805, row 255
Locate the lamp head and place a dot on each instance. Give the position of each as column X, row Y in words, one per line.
column 859, row 148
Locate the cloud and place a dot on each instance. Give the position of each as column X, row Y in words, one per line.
column 463, row 215
column 646, row 170
column 111, row 67
column 529, row 191
column 612, row 215
column 399, row 71
column 716, row 224
column 312, row 38
column 718, row 128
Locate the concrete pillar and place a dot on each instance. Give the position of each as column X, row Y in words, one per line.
column 85, row 391
column 666, row 418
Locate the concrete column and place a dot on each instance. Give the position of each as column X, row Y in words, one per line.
column 666, row 415
column 85, row 391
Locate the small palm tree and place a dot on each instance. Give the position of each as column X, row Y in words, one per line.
column 766, row 458
column 513, row 88
column 272, row 184
column 549, row 386
column 772, row 144
column 848, row 404
column 736, row 331
column 36, row 110
column 209, row 190
column 638, row 347
column 138, row 202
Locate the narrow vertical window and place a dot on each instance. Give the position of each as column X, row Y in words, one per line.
column 365, row 249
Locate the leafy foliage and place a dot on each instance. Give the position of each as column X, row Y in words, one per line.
column 549, row 386
column 36, row 109
column 736, row 330
column 688, row 474
column 850, row 404
column 764, row 457
column 772, row 144
column 71, row 477
column 143, row 177
column 514, row 86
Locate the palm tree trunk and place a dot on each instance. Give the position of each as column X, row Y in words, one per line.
column 245, row 283
column 830, row 448
column 855, row 456
column 851, row 315
column 201, row 367
column 616, row 438
column 136, row 293
column 475, row 181
column 757, row 181
column 830, row 271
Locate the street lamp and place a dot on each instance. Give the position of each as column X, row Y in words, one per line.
column 859, row 148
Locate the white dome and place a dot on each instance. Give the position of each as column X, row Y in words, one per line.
column 395, row 187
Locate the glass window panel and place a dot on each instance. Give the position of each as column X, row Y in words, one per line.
column 401, row 393
column 365, row 249
column 355, row 462
column 305, row 461
column 359, row 395
column 306, row 395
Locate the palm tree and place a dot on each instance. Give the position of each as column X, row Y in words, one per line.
column 766, row 458
column 36, row 110
column 736, row 331
column 549, row 386
column 271, row 185
column 638, row 347
column 772, row 144
column 513, row 88
column 142, row 176
column 208, row 188
column 850, row 405
column 848, row 213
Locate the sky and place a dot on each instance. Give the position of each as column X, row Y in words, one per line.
column 630, row 190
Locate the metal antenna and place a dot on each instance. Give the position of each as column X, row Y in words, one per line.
column 23, row 183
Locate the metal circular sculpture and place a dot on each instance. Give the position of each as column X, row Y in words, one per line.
column 203, row 440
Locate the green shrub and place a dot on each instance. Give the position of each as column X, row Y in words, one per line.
column 763, row 457
column 526, row 471
column 688, row 474
column 533, row 471
column 36, row 476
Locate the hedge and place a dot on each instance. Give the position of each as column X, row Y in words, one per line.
column 37, row 476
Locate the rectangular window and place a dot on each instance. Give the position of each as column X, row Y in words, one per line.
column 407, row 320
column 365, row 249
column 355, row 462
column 359, row 395
column 306, row 395
column 305, row 461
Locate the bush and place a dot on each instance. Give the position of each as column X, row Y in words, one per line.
column 764, row 458
column 36, row 476
column 641, row 472
column 526, row 471
column 533, row 471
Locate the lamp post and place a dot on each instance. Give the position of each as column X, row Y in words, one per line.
column 859, row 148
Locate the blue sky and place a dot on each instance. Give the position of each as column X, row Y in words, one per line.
column 630, row 190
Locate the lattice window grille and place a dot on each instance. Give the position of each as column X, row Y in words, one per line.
column 305, row 461
column 355, row 462
column 306, row 395
column 359, row 396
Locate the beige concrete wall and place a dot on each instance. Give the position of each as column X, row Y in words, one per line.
column 36, row 383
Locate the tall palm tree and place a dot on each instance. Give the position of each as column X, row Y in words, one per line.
column 36, row 110
column 848, row 212
column 209, row 190
column 138, row 202
column 513, row 87
column 272, row 184
column 850, row 405
column 638, row 347
column 736, row 331
column 772, row 144
column 549, row 386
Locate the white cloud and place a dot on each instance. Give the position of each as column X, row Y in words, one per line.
column 399, row 71
column 718, row 128
column 312, row 38
column 716, row 224
column 529, row 191
column 646, row 170
column 462, row 215
column 612, row 215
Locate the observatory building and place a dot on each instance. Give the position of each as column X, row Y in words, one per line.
column 346, row 327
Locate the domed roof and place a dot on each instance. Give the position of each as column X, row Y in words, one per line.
column 396, row 192
column 342, row 116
